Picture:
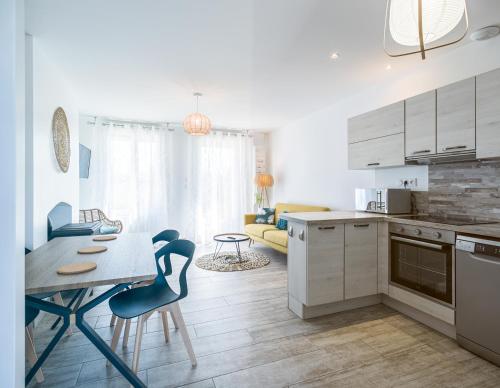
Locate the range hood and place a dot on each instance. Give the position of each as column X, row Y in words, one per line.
column 451, row 157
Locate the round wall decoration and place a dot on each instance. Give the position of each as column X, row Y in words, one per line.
column 60, row 137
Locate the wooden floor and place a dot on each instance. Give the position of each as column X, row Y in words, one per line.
column 244, row 336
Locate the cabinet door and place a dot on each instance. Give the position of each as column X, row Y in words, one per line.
column 360, row 260
column 488, row 114
column 420, row 125
column 385, row 121
column 383, row 152
column 456, row 118
column 297, row 262
column 325, row 264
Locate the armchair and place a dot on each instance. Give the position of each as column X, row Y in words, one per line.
column 97, row 215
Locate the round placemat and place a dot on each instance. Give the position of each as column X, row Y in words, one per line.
column 91, row 250
column 228, row 261
column 108, row 237
column 75, row 268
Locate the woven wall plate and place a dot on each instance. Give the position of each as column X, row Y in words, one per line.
column 108, row 237
column 75, row 268
column 91, row 250
column 61, row 139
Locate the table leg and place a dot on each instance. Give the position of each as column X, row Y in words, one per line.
column 238, row 251
column 216, row 254
column 99, row 343
column 51, row 308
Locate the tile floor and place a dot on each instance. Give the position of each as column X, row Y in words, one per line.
column 244, row 336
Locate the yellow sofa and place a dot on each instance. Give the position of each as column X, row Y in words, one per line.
column 270, row 235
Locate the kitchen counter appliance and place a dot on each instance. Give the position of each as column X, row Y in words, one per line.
column 478, row 296
column 386, row 201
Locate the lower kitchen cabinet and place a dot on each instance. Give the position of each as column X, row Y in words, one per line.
column 361, row 260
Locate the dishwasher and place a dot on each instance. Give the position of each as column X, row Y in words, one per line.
column 478, row 296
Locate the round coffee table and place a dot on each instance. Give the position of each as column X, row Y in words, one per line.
column 235, row 238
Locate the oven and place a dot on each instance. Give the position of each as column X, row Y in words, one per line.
column 423, row 261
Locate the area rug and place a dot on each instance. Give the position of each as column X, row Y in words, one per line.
column 228, row 261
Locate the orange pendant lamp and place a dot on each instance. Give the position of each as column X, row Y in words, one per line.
column 197, row 124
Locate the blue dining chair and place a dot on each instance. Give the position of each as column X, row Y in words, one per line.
column 30, row 313
column 143, row 301
column 165, row 236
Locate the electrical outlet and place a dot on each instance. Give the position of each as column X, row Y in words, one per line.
column 409, row 183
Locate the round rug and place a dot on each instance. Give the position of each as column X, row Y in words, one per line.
column 228, row 261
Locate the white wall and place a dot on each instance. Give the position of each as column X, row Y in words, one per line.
column 309, row 156
column 50, row 185
column 12, row 192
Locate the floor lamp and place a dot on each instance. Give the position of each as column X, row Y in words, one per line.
column 263, row 181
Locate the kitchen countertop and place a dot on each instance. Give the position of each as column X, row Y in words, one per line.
column 482, row 230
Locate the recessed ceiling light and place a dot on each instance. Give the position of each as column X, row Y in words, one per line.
column 335, row 55
column 388, row 67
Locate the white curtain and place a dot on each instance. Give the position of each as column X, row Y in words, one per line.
column 129, row 172
column 219, row 184
column 153, row 179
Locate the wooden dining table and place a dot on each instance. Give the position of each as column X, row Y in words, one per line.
column 128, row 259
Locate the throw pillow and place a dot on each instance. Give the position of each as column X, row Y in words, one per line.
column 265, row 215
column 282, row 224
column 108, row 229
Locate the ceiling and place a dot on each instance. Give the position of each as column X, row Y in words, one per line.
column 259, row 63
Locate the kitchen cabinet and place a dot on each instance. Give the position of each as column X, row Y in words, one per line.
column 386, row 151
column 361, row 260
column 420, row 125
column 383, row 251
column 456, row 118
column 316, row 263
column 488, row 114
column 385, row 121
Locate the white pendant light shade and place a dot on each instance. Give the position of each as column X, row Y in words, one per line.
column 197, row 124
column 419, row 25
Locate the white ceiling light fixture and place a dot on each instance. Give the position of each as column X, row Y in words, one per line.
column 197, row 124
column 485, row 33
column 416, row 26
column 335, row 55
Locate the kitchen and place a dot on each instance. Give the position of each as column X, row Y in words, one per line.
column 432, row 255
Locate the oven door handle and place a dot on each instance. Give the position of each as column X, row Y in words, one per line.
column 417, row 242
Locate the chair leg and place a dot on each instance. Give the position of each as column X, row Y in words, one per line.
column 31, row 354
column 174, row 319
column 59, row 300
column 164, row 319
column 176, row 311
column 126, row 333
column 138, row 339
column 116, row 336
column 113, row 320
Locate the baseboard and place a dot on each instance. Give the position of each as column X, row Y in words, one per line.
column 306, row 312
column 428, row 320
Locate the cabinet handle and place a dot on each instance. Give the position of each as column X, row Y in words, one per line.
column 373, row 164
column 301, row 235
column 290, row 231
column 461, row 147
column 361, row 225
column 421, row 152
column 326, row 227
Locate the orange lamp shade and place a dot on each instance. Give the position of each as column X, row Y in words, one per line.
column 197, row 124
column 264, row 180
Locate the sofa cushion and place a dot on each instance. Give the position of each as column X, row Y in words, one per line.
column 279, row 237
column 258, row 229
column 265, row 215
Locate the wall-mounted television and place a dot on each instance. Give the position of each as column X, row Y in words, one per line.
column 85, row 154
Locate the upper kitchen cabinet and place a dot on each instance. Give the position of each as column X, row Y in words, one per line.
column 420, row 125
column 456, row 118
column 385, row 121
column 387, row 151
column 488, row 114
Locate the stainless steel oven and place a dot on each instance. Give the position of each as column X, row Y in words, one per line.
column 423, row 261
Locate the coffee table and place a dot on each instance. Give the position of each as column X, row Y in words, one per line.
column 235, row 238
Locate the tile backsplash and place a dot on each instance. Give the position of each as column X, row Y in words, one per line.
column 469, row 189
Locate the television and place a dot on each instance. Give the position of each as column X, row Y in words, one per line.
column 85, row 154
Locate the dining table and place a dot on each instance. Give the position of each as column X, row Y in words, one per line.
column 127, row 259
